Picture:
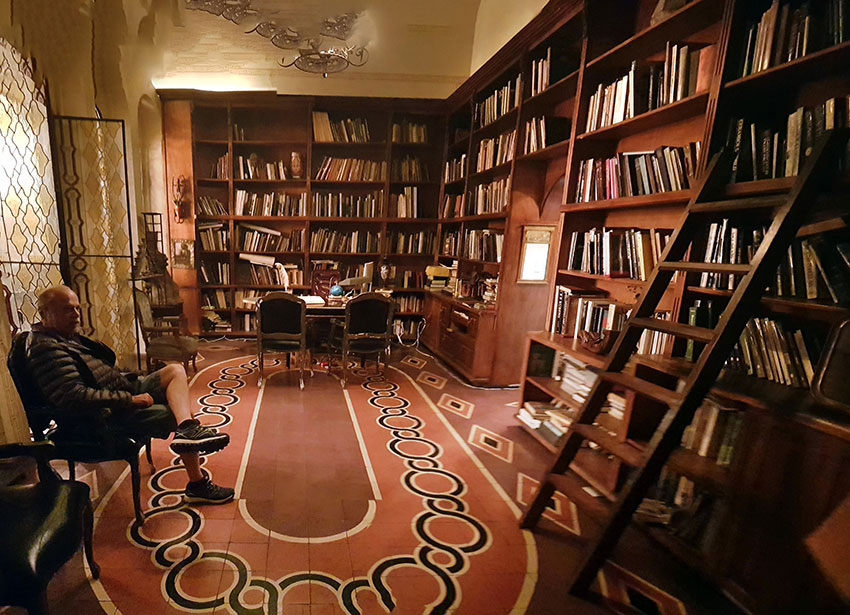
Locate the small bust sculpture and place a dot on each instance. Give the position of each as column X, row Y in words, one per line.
column 296, row 166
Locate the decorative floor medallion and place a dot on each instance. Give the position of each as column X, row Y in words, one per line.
column 456, row 405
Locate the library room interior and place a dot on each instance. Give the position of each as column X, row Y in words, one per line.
column 479, row 307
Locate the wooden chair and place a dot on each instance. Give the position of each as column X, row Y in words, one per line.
column 86, row 439
column 367, row 329
column 163, row 341
column 282, row 327
column 41, row 527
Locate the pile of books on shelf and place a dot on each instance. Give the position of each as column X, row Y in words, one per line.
column 409, row 132
column 254, row 167
column 254, row 238
column 767, row 350
column 791, row 30
column 409, row 169
column 540, row 73
column 765, row 152
column 454, row 205
column 489, row 198
column 484, row 245
column 347, row 130
column 213, row 235
column 330, row 240
column 221, row 167
column 687, row 511
column 637, row 173
column 351, row 170
column 617, row 253
column 412, row 242
column 540, row 132
column 214, row 272
column 455, row 169
column 495, row 151
column 405, row 204
column 210, row 206
column 347, row 205
column 437, row 277
column 551, row 419
column 409, row 303
column 270, row 203
column 266, row 271
column 500, row 102
column 212, row 321
column 684, row 72
column 563, row 311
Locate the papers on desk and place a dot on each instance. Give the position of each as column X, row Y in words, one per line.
column 312, row 299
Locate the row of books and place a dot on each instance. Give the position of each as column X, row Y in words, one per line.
column 210, row 206
column 595, row 316
column 217, row 298
column 330, row 240
column 347, row 205
column 409, row 303
column 254, row 167
column 405, row 204
column 538, row 136
column 484, row 245
column 455, row 169
column 254, row 238
column 221, row 167
column 346, row 130
column 788, row 31
column 540, row 70
column 211, row 321
column 637, row 173
column 763, row 152
column 766, row 349
column 450, row 244
column 264, row 270
column 649, row 87
column 714, row 431
column 500, row 102
column 489, row 198
column 409, row 169
column 495, row 151
column 454, row 205
column 409, row 132
column 623, row 253
column 270, row 203
column 411, row 242
column 214, row 272
column 351, row 170
column 407, row 278
column 406, row 327
column 213, row 235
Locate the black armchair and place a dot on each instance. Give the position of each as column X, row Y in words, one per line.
column 367, row 330
column 282, row 327
column 41, row 527
column 86, row 440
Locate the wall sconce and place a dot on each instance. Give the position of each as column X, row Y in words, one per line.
column 179, row 187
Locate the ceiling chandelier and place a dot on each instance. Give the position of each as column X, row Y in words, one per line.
column 316, row 52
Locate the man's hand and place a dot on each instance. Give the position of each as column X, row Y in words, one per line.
column 142, row 400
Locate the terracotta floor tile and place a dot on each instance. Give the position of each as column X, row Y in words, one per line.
column 242, row 532
column 253, row 553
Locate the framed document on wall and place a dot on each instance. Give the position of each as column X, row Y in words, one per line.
column 534, row 257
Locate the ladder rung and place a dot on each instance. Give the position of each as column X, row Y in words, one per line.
column 639, row 385
column 698, row 334
column 574, row 488
column 706, row 267
column 626, row 452
column 756, row 202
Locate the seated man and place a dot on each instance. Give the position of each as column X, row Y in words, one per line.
column 74, row 372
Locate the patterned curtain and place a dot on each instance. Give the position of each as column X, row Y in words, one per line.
column 29, row 234
column 92, row 184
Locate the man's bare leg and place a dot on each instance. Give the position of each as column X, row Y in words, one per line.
column 192, row 463
column 173, row 380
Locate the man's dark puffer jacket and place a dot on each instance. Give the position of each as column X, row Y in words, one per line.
column 76, row 373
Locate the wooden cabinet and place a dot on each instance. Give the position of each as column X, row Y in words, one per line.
column 462, row 336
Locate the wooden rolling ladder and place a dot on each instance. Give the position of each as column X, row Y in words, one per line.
column 789, row 212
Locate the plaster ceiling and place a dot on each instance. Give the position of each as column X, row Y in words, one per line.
column 416, row 48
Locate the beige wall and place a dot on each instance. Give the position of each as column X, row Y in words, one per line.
column 497, row 22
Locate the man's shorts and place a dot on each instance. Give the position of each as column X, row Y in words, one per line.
column 155, row 421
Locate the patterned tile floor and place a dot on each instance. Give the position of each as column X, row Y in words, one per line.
column 398, row 494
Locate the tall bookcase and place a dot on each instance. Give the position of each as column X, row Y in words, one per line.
column 253, row 204
column 758, row 496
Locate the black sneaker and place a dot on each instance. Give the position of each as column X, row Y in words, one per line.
column 207, row 492
column 195, row 438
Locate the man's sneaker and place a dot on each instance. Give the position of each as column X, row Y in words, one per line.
column 206, row 492
column 195, row 438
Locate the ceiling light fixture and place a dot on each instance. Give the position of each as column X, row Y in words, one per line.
column 315, row 54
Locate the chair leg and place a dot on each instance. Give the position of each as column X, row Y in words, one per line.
column 72, row 470
column 88, row 531
column 301, row 357
column 136, row 481
column 309, row 354
column 344, row 367
column 260, row 362
column 149, row 455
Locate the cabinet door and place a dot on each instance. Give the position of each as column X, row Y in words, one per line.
column 431, row 333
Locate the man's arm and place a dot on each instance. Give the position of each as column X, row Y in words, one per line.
column 56, row 373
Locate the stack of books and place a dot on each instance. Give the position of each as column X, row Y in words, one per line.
column 437, row 277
